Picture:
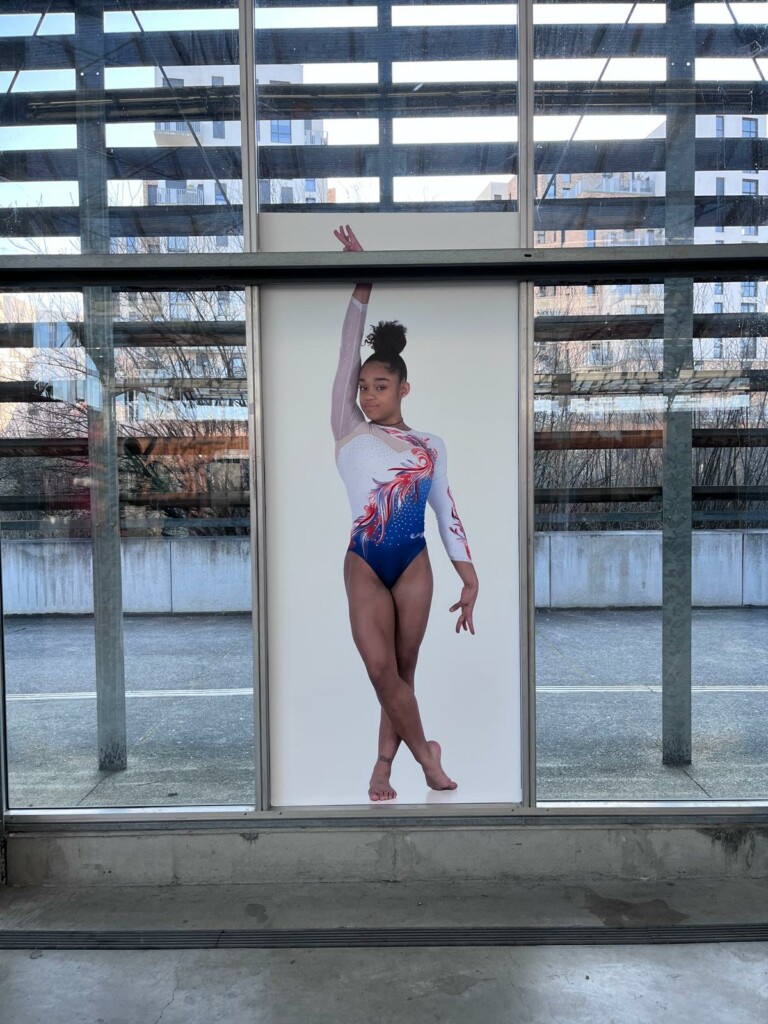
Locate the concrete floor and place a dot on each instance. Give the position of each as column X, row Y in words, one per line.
column 541, row 985
column 524, row 985
column 190, row 709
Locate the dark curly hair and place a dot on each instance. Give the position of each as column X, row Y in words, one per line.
column 387, row 339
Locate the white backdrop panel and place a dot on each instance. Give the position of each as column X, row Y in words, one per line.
column 462, row 363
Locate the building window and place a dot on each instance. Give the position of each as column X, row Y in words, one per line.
column 717, row 348
column 719, row 186
column 310, row 199
column 747, row 348
column 221, row 241
column 591, row 291
column 749, row 289
column 748, row 307
column 286, row 194
column 599, row 353
column 178, row 243
column 217, row 127
column 639, row 310
column 719, row 228
column 280, row 131
column 719, row 126
column 178, row 305
column 222, row 304
column 717, row 287
column 749, row 229
column 310, row 185
column 749, row 127
column 749, row 187
column 591, row 234
column 220, row 195
column 541, row 237
column 718, row 307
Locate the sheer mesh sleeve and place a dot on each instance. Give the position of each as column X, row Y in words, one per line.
column 440, row 498
column 345, row 412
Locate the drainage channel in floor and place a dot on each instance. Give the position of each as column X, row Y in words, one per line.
column 341, row 938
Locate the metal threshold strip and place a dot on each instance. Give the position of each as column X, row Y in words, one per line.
column 352, row 938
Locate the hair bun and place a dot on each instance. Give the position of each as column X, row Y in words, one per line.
column 387, row 339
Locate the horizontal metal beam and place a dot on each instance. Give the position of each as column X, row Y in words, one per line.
column 231, row 270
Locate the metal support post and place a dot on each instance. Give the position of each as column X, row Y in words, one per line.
column 526, row 197
column 678, row 357
column 248, row 114
column 676, row 532
column 102, row 425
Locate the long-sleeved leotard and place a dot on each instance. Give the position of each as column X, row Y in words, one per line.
column 390, row 474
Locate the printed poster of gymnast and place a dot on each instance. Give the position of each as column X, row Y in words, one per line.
column 392, row 471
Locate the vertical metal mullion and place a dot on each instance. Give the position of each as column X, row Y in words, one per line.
column 386, row 153
column 4, row 802
column 98, row 341
column 677, row 538
column 526, row 195
column 526, row 192
column 250, row 178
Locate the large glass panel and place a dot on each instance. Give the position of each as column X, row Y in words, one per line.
column 120, row 128
column 387, row 107
column 651, row 545
column 650, row 123
column 124, row 528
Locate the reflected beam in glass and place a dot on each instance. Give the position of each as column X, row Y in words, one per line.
column 89, row 49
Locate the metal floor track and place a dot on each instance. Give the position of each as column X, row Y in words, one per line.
column 342, row 938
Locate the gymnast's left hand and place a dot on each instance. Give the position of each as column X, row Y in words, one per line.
column 467, row 605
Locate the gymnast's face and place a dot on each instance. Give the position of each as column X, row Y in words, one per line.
column 381, row 392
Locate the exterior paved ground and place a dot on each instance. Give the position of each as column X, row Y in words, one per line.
column 190, row 710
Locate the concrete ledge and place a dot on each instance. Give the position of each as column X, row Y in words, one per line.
column 534, row 853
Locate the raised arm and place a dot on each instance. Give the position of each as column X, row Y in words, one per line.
column 345, row 412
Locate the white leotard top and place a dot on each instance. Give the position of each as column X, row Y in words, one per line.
column 383, row 467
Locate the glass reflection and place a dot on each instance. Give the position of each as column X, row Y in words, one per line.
column 124, row 523
column 651, row 514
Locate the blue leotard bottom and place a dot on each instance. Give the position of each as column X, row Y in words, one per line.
column 388, row 561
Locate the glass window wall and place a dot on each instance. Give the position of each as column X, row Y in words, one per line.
column 651, row 518
column 125, row 534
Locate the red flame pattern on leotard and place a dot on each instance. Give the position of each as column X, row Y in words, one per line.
column 387, row 496
column 458, row 528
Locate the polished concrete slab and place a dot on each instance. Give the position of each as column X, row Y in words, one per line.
column 524, row 985
column 541, row 985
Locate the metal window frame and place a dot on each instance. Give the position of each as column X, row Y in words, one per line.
column 523, row 265
column 251, row 269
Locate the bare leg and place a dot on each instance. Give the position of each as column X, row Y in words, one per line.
column 413, row 597
column 372, row 617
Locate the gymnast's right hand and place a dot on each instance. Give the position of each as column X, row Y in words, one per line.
column 347, row 238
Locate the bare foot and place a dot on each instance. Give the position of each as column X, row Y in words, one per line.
column 379, row 787
column 433, row 769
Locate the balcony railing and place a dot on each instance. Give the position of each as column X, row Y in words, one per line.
column 628, row 186
column 179, row 197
